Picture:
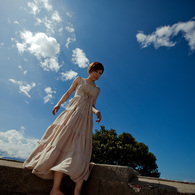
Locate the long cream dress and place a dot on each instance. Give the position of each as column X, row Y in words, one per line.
column 66, row 145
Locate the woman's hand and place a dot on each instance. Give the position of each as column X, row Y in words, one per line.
column 99, row 117
column 55, row 109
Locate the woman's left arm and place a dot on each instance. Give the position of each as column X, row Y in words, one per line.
column 94, row 109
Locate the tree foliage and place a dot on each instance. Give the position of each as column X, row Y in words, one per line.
column 108, row 148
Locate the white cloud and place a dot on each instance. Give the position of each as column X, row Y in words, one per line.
column 50, row 19
column 46, row 4
column 188, row 28
column 23, row 86
column 20, row 67
column 69, row 15
column 72, row 36
column 69, row 75
column 2, row 44
column 56, row 17
column 14, row 144
column 70, row 29
column 43, row 47
column 35, row 8
column 8, row 21
column 163, row 35
column 60, row 30
column 69, row 40
column 37, row 5
column 50, row 64
column 38, row 21
column 22, row 128
column 24, row 71
column 40, row 44
column 49, row 24
column 16, row 22
column 21, row 47
column 79, row 58
column 49, row 93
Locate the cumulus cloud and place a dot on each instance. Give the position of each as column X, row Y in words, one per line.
column 24, row 87
column 40, row 44
column 49, row 95
column 79, row 58
column 163, row 35
column 43, row 47
column 68, row 75
column 50, row 64
column 14, row 144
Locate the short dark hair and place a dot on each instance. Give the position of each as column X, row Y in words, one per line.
column 95, row 66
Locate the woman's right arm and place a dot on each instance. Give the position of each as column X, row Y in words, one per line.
column 66, row 95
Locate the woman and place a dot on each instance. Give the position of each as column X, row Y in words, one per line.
column 66, row 146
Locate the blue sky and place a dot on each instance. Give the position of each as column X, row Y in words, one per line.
column 147, row 89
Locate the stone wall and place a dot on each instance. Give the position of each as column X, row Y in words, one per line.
column 104, row 180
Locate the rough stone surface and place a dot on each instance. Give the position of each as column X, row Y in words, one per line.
column 113, row 173
column 104, row 180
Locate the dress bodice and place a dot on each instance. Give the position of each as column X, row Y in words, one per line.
column 84, row 89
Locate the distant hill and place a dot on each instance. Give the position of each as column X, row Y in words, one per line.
column 12, row 158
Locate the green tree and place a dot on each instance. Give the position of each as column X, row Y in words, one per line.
column 108, row 148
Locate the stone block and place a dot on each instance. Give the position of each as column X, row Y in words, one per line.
column 103, row 180
column 113, row 173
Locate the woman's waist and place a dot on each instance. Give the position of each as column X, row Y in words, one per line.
column 85, row 96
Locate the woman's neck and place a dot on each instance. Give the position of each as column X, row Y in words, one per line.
column 90, row 80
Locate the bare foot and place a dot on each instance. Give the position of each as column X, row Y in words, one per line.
column 56, row 192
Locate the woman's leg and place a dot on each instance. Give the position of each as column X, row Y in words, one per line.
column 78, row 186
column 56, row 183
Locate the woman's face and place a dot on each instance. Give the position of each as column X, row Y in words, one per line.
column 95, row 75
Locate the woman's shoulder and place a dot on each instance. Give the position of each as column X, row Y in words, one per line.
column 78, row 79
